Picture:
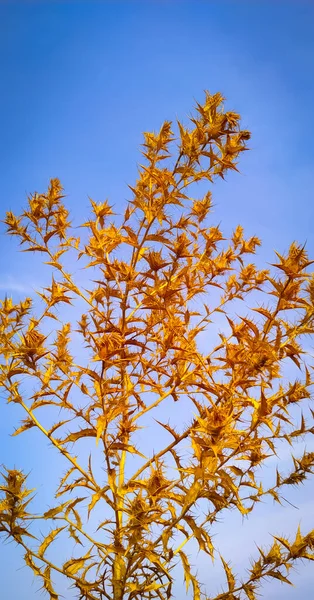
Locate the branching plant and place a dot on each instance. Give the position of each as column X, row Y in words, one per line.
column 159, row 277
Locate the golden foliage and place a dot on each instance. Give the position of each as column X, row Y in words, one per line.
column 141, row 330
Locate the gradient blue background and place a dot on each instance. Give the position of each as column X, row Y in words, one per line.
column 80, row 82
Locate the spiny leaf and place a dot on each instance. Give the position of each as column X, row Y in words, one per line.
column 48, row 540
column 186, row 568
column 53, row 512
column 74, row 535
column 72, row 566
column 77, row 435
column 95, row 498
column 230, row 577
column 48, row 584
column 27, row 424
column 280, row 576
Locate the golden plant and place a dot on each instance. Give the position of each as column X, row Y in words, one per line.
column 159, row 279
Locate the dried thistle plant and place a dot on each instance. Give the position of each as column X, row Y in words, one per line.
column 141, row 330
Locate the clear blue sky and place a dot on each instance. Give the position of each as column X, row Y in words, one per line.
column 82, row 80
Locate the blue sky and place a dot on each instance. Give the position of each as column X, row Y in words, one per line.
column 81, row 81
